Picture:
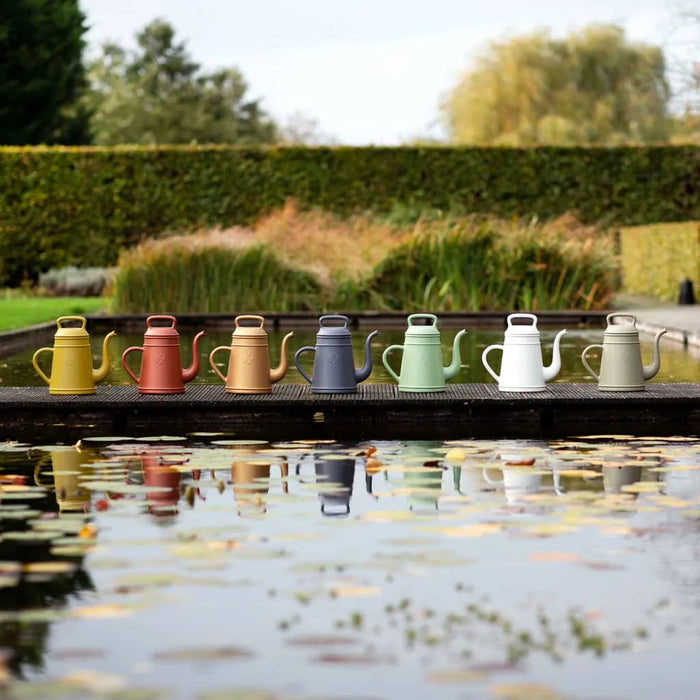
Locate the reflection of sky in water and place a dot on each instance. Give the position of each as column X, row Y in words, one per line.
column 677, row 364
column 457, row 561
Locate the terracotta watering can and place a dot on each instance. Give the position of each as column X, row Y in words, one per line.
column 161, row 369
column 621, row 367
column 521, row 364
column 334, row 371
column 71, row 368
column 249, row 359
column 421, row 363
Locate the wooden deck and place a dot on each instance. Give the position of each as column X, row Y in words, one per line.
column 377, row 411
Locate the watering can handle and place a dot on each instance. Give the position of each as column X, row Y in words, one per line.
column 71, row 318
column 126, row 367
column 335, row 317
column 36, row 364
column 585, row 362
column 212, row 363
column 485, row 362
column 161, row 317
column 250, row 317
column 488, row 479
column 297, row 355
column 429, row 317
column 532, row 317
column 385, row 361
column 609, row 318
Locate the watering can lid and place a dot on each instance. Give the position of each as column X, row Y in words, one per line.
column 422, row 329
column 522, row 329
column 333, row 331
column 250, row 331
column 621, row 328
column 161, row 331
column 71, row 331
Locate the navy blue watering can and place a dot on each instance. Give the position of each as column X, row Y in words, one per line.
column 334, row 370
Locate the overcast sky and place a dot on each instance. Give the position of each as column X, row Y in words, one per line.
column 368, row 71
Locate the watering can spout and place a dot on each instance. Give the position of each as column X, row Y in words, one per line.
column 553, row 369
column 191, row 372
column 653, row 368
column 278, row 372
column 101, row 372
column 453, row 368
column 366, row 369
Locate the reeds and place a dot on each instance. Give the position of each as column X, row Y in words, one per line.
column 295, row 260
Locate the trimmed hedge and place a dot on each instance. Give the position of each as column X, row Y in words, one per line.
column 655, row 259
column 61, row 206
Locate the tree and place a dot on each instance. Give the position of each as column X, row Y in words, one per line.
column 41, row 72
column 158, row 95
column 592, row 87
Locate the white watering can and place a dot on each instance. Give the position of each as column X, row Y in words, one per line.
column 521, row 364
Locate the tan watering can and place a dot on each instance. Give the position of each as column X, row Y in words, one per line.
column 161, row 369
column 621, row 367
column 249, row 359
column 71, row 367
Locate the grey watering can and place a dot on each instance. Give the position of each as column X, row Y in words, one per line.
column 334, row 370
column 621, row 367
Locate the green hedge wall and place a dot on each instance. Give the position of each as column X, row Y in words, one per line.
column 78, row 206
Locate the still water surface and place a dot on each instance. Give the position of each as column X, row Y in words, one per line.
column 205, row 567
column 677, row 364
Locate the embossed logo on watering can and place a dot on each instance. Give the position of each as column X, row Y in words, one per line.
column 249, row 369
column 71, row 366
column 522, row 368
column 421, row 362
column 161, row 368
column 334, row 369
column 621, row 367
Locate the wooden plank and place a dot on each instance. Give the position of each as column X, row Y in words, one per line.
column 376, row 411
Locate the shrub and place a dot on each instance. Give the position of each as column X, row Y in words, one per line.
column 76, row 281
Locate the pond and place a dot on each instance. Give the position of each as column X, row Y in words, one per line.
column 207, row 567
column 677, row 363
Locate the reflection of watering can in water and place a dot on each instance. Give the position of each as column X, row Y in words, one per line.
column 334, row 370
column 338, row 473
column 421, row 363
column 251, row 481
column 621, row 367
column 518, row 482
column 421, row 474
column 249, row 359
column 162, row 479
column 161, row 368
column 71, row 367
column 70, row 469
column 521, row 363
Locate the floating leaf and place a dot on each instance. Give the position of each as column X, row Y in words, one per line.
column 224, row 653
column 465, row 676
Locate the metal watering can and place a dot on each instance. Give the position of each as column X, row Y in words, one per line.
column 161, row 368
column 249, row 359
column 621, row 367
column 334, row 370
column 521, row 364
column 71, row 367
column 421, row 363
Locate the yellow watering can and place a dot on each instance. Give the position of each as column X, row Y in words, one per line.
column 71, row 368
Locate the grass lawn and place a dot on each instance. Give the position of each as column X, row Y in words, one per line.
column 19, row 311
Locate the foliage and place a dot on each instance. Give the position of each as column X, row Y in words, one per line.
column 74, row 281
column 592, row 87
column 79, row 207
column 655, row 259
column 20, row 310
column 476, row 264
column 158, row 95
column 41, row 72
column 182, row 276
column 466, row 264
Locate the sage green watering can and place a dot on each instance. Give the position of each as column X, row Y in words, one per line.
column 421, row 364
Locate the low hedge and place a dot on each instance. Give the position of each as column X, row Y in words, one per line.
column 61, row 206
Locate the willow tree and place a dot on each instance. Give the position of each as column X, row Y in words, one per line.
column 592, row 87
